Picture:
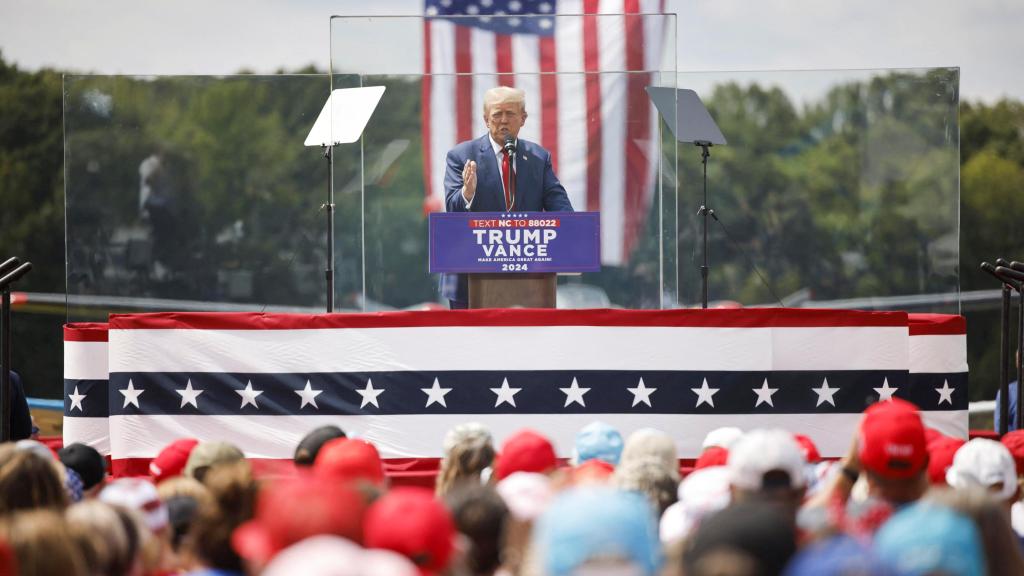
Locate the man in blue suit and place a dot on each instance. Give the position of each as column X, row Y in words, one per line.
column 474, row 180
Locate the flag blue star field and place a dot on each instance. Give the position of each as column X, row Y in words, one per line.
column 403, row 379
column 583, row 65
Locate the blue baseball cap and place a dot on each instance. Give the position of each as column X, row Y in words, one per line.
column 598, row 440
column 925, row 537
column 592, row 523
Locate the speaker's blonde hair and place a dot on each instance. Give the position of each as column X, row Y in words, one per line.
column 500, row 94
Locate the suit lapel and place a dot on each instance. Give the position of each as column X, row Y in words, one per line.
column 488, row 176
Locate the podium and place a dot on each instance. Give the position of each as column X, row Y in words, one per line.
column 522, row 290
column 510, row 260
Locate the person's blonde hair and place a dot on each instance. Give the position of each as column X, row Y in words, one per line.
column 233, row 490
column 185, row 486
column 30, row 481
column 468, row 450
column 42, row 544
column 101, row 535
column 500, row 94
column 648, row 443
column 649, row 477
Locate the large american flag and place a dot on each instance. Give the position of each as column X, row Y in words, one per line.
column 584, row 65
column 402, row 379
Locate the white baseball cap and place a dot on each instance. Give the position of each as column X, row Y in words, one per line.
column 139, row 495
column 760, row 451
column 985, row 463
column 723, row 437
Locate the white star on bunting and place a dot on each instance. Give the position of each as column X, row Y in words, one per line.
column 505, row 394
column 641, row 393
column 76, row 400
column 764, row 394
column 436, row 394
column 369, row 394
column 131, row 394
column 825, row 394
column 189, row 395
column 705, row 394
column 885, row 392
column 308, row 395
column 945, row 393
column 249, row 395
column 574, row 394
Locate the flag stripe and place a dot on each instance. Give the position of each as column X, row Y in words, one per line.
column 566, row 348
column 442, row 105
column 938, row 354
column 503, row 59
column 463, row 82
column 549, row 99
column 638, row 135
column 477, row 392
column 426, row 113
column 277, row 436
column 591, row 64
column 85, row 360
column 713, row 318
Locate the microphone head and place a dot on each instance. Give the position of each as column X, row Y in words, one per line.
column 510, row 144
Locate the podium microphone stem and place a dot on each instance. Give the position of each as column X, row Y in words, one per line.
column 704, row 211
column 329, row 211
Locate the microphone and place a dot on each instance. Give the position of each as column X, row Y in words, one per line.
column 1018, row 266
column 995, row 271
column 1010, row 273
column 510, row 145
column 15, row 275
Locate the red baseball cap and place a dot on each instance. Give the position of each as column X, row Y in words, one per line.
column 525, row 451
column 292, row 510
column 1014, row 442
column 931, row 435
column 350, row 459
column 811, row 454
column 593, row 471
column 712, row 456
column 940, row 458
column 170, row 462
column 412, row 522
column 892, row 440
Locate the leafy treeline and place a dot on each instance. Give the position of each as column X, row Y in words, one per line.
column 199, row 188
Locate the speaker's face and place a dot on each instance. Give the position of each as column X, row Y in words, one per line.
column 504, row 119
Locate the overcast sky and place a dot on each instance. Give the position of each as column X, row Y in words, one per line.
column 982, row 37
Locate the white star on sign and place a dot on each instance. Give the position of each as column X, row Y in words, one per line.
column 131, row 394
column 885, row 392
column 76, row 400
column 308, row 396
column 945, row 393
column 249, row 395
column 641, row 393
column 764, row 394
column 505, row 394
column 574, row 394
column 825, row 394
column 189, row 396
column 704, row 394
column 436, row 394
column 370, row 394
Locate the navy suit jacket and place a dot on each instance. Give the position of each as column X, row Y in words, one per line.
column 537, row 189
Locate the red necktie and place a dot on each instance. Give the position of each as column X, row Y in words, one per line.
column 506, row 169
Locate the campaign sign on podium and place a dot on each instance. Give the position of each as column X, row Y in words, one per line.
column 495, row 242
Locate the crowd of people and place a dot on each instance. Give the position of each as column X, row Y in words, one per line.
column 905, row 500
